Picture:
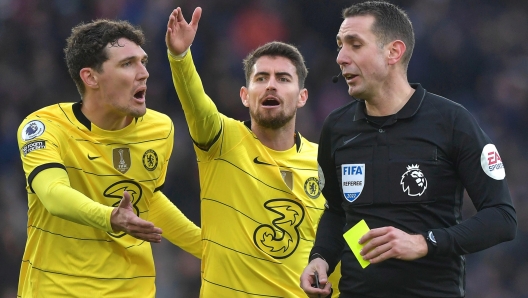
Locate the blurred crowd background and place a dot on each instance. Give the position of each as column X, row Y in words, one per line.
column 474, row 52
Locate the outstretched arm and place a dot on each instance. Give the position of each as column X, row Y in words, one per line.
column 201, row 113
column 52, row 186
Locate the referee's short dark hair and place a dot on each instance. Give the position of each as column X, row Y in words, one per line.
column 277, row 49
column 391, row 23
column 86, row 46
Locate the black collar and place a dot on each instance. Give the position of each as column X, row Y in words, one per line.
column 80, row 116
column 408, row 110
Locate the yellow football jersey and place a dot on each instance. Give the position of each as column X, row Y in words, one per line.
column 67, row 259
column 259, row 208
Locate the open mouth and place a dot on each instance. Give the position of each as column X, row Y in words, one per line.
column 270, row 102
column 139, row 94
column 349, row 76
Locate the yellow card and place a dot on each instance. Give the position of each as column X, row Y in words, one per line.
column 352, row 237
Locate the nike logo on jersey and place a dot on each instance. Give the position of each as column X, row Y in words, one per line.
column 349, row 140
column 260, row 162
column 92, row 157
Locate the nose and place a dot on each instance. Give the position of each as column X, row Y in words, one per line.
column 342, row 58
column 143, row 73
column 271, row 84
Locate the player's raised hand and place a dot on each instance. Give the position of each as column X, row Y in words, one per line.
column 180, row 34
column 124, row 219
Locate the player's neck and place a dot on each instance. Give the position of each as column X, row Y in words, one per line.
column 102, row 118
column 277, row 139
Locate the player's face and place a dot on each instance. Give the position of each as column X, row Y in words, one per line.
column 273, row 94
column 363, row 63
column 123, row 79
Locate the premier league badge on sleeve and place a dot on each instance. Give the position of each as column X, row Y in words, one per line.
column 353, row 179
column 32, row 130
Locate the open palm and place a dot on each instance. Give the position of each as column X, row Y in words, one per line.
column 180, row 34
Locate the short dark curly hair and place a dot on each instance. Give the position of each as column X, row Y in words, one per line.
column 277, row 49
column 87, row 43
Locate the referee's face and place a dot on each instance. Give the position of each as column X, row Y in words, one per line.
column 273, row 94
column 362, row 61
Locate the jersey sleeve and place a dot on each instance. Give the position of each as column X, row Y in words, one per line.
column 200, row 111
column 53, row 189
column 40, row 146
column 40, row 150
column 177, row 228
column 329, row 240
column 482, row 173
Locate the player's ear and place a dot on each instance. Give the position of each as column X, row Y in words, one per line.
column 244, row 96
column 303, row 97
column 89, row 77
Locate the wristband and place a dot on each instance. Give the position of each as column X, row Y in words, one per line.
column 315, row 256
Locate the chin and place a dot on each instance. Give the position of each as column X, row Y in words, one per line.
column 138, row 113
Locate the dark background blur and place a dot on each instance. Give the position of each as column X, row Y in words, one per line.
column 474, row 52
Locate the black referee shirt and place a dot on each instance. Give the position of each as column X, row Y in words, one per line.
column 410, row 173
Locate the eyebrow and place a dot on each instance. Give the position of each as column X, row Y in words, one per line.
column 280, row 73
column 133, row 57
column 349, row 37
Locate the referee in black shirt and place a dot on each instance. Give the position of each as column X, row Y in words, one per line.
column 400, row 158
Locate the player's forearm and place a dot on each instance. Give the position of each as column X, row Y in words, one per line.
column 200, row 111
column 53, row 188
column 177, row 228
column 487, row 228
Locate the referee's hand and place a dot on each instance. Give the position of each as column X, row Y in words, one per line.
column 391, row 243
column 124, row 219
column 308, row 279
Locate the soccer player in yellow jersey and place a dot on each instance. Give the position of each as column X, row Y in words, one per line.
column 260, row 196
column 94, row 173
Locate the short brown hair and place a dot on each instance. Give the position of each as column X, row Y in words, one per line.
column 277, row 49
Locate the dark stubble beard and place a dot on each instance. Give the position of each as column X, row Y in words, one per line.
column 272, row 122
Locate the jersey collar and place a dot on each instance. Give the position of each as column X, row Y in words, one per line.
column 80, row 116
column 76, row 108
column 408, row 110
column 297, row 135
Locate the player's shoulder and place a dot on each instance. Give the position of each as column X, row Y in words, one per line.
column 36, row 122
column 154, row 117
column 51, row 111
column 308, row 147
